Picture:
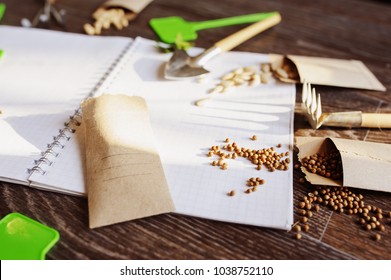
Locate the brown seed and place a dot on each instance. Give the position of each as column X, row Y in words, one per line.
column 309, row 214
column 306, row 228
column 361, row 221
column 279, row 145
column 298, row 236
column 248, row 191
column 227, row 140
column 304, row 219
column 254, row 137
column 297, row 228
column 301, row 204
column 231, row 193
column 381, row 228
column 296, row 166
column 377, row 237
column 368, row 227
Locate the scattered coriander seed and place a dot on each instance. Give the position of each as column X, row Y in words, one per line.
column 381, row 228
column 297, row 228
column 377, row 237
column 301, row 204
column 298, row 236
column 368, row 227
column 304, row 220
column 362, row 221
column 306, row 228
column 231, row 193
column 302, row 180
column 248, row 191
column 254, row 137
column 227, row 140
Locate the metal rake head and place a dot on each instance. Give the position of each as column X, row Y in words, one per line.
column 311, row 105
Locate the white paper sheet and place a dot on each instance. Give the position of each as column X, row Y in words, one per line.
column 185, row 132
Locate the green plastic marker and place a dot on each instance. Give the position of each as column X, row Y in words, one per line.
column 1, row 53
column 169, row 27
column 22, row 238
column 2, row 10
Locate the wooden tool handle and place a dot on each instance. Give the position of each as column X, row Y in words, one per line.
column 239, row 37
column 376, row 120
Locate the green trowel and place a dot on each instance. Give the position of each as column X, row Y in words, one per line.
column 168, row 28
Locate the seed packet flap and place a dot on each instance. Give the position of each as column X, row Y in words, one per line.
column 135, row 6
column 330, row 72
column 125, row 177
column 366, row 165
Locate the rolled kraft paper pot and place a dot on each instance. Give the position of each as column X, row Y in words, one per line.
column 365, row 165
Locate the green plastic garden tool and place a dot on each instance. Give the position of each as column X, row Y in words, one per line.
column 22, row 238
column 168, row 28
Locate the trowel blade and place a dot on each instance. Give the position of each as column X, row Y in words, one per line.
column 178, row 67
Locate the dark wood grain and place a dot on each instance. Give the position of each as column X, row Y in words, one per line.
column 350, row 29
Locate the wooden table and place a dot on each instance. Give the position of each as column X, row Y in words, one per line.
column 349, row 29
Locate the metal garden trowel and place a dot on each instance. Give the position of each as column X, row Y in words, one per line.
column 183, row 66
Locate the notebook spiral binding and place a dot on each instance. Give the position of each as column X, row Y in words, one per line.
column 58, row 143
column 70, row 126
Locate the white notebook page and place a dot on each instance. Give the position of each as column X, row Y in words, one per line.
column 44, row 76
column 184, row 132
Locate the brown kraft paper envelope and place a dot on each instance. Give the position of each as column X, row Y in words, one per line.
column 366, row 165
column 125, row 178
column 327, row 71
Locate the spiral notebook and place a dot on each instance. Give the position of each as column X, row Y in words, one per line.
column 44, row 75
column 41, row 151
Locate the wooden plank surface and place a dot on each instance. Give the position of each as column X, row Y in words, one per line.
column 349, row 29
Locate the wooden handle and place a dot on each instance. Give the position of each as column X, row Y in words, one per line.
column 239, row 37
column 376, row 120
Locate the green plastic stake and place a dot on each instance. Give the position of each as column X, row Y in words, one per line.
column 168, row 28
column 22, row 238
column 2, row 10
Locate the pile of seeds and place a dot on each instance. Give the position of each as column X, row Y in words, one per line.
column 266, row 157
column 286, row 71
column 104, row 18
column 340, row 200
column 250, row 76
column 327, row 165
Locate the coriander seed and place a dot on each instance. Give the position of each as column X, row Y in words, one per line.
column 297, row 228
column 298, row 236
